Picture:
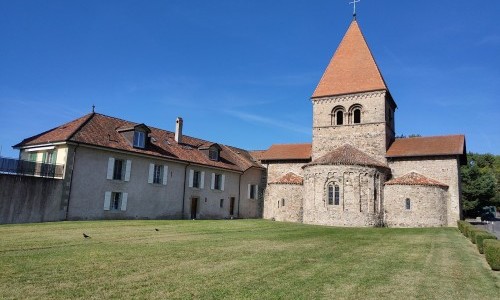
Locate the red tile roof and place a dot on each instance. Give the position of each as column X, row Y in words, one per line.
column 100, row 130
column 347, row 155
column 289, row 178
column 287, row 152
column 428, row 146
column 352, row 68
column 414, row 178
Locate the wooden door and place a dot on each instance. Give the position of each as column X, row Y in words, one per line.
column 194, row 207
column 231, row 206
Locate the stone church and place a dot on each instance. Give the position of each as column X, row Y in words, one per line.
column 355, row 172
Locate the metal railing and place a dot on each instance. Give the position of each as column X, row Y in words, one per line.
column 30, row 168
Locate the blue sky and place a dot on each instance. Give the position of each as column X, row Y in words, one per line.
column 242, row 72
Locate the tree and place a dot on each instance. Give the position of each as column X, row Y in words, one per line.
column 480, row 182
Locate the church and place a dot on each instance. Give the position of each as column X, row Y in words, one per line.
column 354, row 173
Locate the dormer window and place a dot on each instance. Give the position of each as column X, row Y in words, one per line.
column 213, row 154
column 139, row 139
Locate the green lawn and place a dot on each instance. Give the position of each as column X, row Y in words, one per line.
column 238, row 259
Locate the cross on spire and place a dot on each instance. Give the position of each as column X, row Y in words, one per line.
column 93, row 108
column 354, row 7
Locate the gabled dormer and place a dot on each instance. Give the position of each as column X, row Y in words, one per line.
column 212, row 150
column 136, row 135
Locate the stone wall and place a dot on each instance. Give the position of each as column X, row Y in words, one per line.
column 26, row 199
column 443, row 169
column 276, row 170
column 428, row 206
column 372, row 136
column 283, row 202
column 360, row 195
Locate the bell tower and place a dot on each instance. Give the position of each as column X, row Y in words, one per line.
column 352, row 104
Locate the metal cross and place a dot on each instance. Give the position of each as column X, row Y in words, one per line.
column 354, row 8
column 93, row 108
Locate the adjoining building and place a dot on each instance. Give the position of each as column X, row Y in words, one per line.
column 354, row 173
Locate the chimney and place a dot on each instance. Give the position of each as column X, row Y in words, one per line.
column 178, row 130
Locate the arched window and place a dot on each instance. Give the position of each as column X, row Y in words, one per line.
column 408, row 204
column 355, row 113
column 338, row 115
column 333, row 194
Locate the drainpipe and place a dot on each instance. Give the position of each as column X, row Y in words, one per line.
column 184, row 192
column 71, row 180
column 239, row 197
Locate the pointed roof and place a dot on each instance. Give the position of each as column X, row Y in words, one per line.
column 352, row 68
column 347, row 155
column 414, row 178
column 289, row 178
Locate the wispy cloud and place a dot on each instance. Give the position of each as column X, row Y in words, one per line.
column 489, row 40
column 257, row 119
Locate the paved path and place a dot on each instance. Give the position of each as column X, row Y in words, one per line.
column 492, row 226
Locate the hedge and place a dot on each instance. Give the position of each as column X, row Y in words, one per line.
column 480, row 237
column 473, row 232
column 461, row 225
column 492, row 253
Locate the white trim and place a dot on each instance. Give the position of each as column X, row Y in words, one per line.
column 39, row 149
column 127, row 170
column 223, row 179
column 165, row 174
column 212, row 184
column 124, row 201
column 107, row 200
column 150, row 174
column 111, row 165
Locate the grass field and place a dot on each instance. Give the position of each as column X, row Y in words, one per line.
column 238, row 259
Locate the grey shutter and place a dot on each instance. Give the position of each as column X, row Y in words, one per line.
column 165, row 174
column 107, row 200
column 151, row 171
column 249, row 190
column 127, row 170
column 191, row 175
column 124, row 201
column 202, row 181
column 111, row 164
column 212, row 184
column 223, row 179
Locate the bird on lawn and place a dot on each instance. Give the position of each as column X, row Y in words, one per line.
column 156, row 229
column 86, row 236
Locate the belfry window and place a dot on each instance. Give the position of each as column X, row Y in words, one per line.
column 355, row 112
column 338, row 115
column 357, row 116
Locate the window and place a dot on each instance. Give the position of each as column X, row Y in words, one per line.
column 338, row 115
column 158, row 174
column 49, row 157
column 213, row 154
column 408, row 203
column 221, row 204
column 283, row 202
column 139, row 139
column 333, row 194
column 32, row 156
column 118, row 170
column 196, row 179
column 357, row 116
column 218, row 181
column 115, row 201
column 253, row 191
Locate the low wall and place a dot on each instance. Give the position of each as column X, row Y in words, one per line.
column 26, row 199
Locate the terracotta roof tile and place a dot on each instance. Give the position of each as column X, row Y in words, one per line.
column 352, row 68
column 414, row 178
column 428, row 146
column 101, row 130
column 289, row 178
column 287, row 152
column 347, row 155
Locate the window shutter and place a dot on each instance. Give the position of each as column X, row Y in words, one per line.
column 124, row 201
column 111, row 164
column 107, row 200
column 202, row 181
column 222, row 182
column 127, row 170
column 212, row 185
column 191, row 175
column 151, row 171
column 256, row 191
column 249, row 190
column 165, row 174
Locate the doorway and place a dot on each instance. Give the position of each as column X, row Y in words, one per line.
column 231, row 206
column 194, row 207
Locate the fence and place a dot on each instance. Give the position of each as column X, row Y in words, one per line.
column 30, row 168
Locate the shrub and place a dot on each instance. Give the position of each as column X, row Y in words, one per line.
column 492, row 253
column 472, row 233
column 480, row 237
column 461, row 225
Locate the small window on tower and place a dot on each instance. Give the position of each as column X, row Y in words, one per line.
column 357, row 116
column 339, row 117
column 408, row 204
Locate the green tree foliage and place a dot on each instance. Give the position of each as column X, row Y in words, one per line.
column 480, row 182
